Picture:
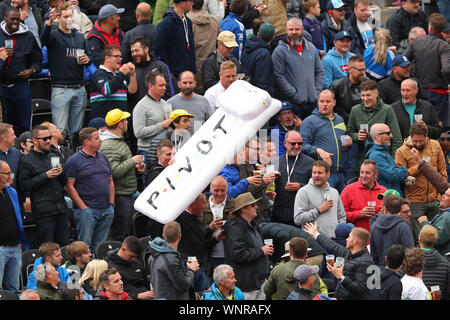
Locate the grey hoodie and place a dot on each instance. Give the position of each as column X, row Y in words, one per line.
column 310, row 197
column 299, row 77
column 169, row 274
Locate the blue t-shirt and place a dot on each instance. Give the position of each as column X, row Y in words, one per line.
column 91, row 176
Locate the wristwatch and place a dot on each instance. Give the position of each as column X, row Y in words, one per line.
column 341, row 279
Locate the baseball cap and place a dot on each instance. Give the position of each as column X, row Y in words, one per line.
column 303, row 272
column 335, row 4
column 286, row 105
column 97, row 123
column 228, row 38
column 115, row 116
column 266, row 29
column 22, row 138
column 400, row 61
column 342, row 34
column 178, row 113
column 108, row 10
column 388, row 191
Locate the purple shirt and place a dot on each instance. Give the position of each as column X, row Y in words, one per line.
column 91, row 176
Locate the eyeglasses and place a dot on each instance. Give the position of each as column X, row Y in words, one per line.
column 387, row 132
column 360, row 70
column 117, row 56
column 7, row 173
column 444, row 138
column 44, row 138
column 294, row 143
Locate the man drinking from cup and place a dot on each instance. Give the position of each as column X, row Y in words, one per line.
column 46, row 186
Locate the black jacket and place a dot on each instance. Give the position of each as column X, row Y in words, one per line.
column 47, row 195
column 354, row 285
column 211, row 68
column 96, row 41
column 344, row 98
column 283, row 207
column 431, row 55
column 195, row 239
column 437, row 272
column 422, row 107
column 391, row 287
column 143, row 29
column 401, row 22
column 133, row 277
column 243, row 252
column 390, row 90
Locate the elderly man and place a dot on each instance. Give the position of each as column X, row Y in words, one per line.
column 410, row 109
column 390, row 87
column 48, row 282
column 226, row 42
column 298, row 71
column 286, row 120
column 423, row 196
column 295, row 168
column 224, row 286
column 245, row 250
column 377, row 150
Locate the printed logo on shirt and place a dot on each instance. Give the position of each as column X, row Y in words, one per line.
column 71, row 52
column 344, row 68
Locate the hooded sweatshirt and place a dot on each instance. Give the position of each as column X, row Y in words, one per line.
column 389, row 229
column 169, row 275
column 174, row 43
column 257, row 60
column 335, row 66
column 99, row 38
column 310, row 197
column 27, row 53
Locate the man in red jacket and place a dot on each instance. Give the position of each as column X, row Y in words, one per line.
column 360, row 198
column 112, row 286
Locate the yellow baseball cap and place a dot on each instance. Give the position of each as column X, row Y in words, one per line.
column 178, row 113
column 115, row 116
column 228, row 38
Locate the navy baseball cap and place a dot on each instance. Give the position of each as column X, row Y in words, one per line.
column 400, row 61
column 342, row 34
column 286, row 105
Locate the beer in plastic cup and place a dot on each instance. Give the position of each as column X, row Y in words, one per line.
column 339, row 261
column 54, row 161
column 80, row 52
column 418, row 117
column 268, row 241
column 330, row 259
column 435, row 293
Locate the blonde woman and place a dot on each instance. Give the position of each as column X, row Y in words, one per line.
column 89, row 280
column 378, row 57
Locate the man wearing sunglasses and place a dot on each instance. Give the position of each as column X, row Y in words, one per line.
column 45, row 184
column 377, row 150
column 295, row 168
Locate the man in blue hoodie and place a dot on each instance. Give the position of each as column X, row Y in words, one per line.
column 322, row 132
column 24, row 61
column 377, row 150
column 234, row 23
column 389, row 229
column 174, row 40
column 335, row 62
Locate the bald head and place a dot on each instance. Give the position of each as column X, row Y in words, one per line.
column 219, row 188
column 143, row 11
column 381, row 134
column 377, row 128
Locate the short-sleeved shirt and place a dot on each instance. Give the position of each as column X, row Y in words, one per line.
column 91, row 176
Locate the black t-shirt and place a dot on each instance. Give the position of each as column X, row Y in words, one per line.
column 9, row 229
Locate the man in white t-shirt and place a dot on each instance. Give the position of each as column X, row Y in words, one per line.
column 227, row 76
column 362, row 28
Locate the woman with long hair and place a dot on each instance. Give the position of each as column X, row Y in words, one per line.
column 89, row 280
column 378, row 57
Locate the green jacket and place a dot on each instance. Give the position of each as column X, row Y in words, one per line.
column 122, row 166
column 442, row 223
column 380, row 113
column 281, row 281
column 160, row 8
column 47, row 292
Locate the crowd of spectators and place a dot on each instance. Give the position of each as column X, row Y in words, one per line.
column 345, row 194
